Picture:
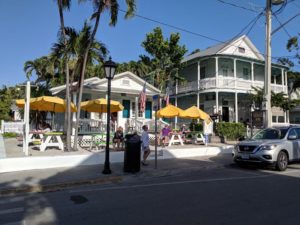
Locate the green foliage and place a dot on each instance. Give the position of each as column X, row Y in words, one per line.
column 231, row 131
column 280, row 99
column 10, row 135
column 194, row 126
column 7, row 95
column 164, row 58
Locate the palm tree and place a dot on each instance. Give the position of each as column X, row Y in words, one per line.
column 76, row 45
column 100, row 6
column 43, row 68
column 62, row 5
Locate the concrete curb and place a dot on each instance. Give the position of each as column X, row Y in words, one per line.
column 58, row 186
column 46, row 162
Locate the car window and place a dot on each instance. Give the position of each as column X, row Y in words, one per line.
column 293, row 132
column 298, row 132
column 268, row 134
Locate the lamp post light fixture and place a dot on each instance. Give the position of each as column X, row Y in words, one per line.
column 109, row 67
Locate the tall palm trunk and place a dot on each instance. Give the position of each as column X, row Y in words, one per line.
column 83, row 73
column 68, row 116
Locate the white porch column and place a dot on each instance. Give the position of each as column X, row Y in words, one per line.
column 282, row 80
column 286, row 83
column 74, row 114
column 217, row 71
column 252, row 72
column 236, row 108
column 217, row 101
column 234, row 72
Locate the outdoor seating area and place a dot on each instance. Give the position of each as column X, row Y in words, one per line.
column 92, row 132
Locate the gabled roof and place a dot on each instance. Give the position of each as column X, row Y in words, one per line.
column 96, row 83
column 223, row 48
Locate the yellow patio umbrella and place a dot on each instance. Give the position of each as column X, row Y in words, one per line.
column 169, row 111
column 46, row 103
column 196, row 113
column 100, row 106
column 20, row 103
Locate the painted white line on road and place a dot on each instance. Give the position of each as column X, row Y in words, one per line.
column 13, row 210
column 170, row 183
column 10, row 200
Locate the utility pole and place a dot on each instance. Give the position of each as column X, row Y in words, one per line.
column 267, row 97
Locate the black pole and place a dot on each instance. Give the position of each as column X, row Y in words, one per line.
column 106, row 163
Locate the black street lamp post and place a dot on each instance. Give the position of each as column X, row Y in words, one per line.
column 109, row 67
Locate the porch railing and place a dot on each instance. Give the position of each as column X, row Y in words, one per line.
column 224, row 83
column 94, row 126
column 14, row 127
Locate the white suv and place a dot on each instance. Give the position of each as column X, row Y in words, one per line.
column 275, row 146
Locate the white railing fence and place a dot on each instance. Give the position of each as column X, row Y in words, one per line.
column 93, row 126
column 14, row 127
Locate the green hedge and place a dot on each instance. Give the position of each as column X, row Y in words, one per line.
column 10, row 135
column 231, row 131
column 194, row 126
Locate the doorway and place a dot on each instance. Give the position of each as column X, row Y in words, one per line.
column 225, row 114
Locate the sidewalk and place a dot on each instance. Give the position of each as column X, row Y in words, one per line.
column 53, row 158
column 60, row 178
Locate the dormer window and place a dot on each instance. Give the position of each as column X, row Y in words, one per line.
column 125, row 82
column 241, row 50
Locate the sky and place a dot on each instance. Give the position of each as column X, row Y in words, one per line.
column 29, row 28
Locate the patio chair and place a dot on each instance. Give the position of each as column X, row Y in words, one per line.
column 199, row 138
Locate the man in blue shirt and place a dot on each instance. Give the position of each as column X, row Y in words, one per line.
column 145, row 144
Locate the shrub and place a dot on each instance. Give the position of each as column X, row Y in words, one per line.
column 196, row 126
column 10, row 135
column 231, row 131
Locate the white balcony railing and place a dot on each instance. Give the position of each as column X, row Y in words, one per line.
column 225, row 83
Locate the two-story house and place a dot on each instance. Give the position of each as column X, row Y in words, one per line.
column 219, row 79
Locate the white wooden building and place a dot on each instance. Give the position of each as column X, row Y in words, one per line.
column 125, row 88
column 220, row 78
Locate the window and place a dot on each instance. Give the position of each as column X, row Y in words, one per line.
column 298, row 132
column 202, row 72
column 125, row 82
column 246, row 73
column 225, row 72
column 280, row 119
column 241, row 50
column 140, row 114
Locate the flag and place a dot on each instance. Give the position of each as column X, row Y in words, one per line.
column 167, row 96
column 142, row 99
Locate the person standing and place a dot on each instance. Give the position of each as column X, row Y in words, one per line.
column 145, row 144
column 165, row 133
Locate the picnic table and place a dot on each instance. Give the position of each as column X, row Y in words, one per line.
column 52, row 139
column 175, row 138
column 34, row 133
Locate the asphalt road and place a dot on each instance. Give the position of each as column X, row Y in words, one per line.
column 214, row 195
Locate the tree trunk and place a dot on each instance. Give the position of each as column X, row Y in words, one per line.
column 83, row 74
column 68, row 102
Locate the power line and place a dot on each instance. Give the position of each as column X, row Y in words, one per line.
column 194, row 33
column 237, row 6
column 281, row 25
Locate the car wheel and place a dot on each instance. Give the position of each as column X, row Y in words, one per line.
column 282, row 161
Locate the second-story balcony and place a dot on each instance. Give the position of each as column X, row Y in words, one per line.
column 225, row 83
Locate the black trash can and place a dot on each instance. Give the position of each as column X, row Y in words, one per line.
column 132, row 153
